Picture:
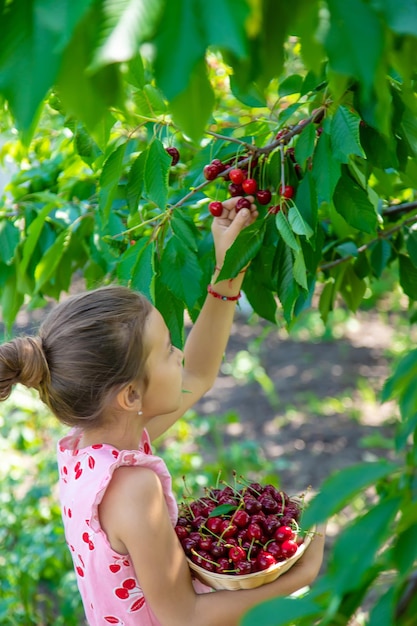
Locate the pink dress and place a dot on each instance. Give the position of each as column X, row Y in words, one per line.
column 109, row 588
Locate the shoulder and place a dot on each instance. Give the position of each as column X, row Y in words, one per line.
column 133, row 500
column 133, row 483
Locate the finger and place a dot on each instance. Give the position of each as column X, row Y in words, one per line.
column 230, row 203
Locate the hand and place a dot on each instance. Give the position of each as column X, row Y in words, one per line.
column 226, row 228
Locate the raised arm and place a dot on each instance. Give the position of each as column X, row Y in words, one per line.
column 207, row 340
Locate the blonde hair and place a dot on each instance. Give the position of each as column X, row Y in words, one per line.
column 88, row 347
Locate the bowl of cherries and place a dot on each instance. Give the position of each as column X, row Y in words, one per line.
column 241, row 538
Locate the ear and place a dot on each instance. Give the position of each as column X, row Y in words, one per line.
column 129, row 398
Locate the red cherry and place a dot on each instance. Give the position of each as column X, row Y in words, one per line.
column 286, row 192
column 288, row 548
column 210, row 171
column 252, row 505
column 241, row 518
column 284, row 532
column 188, row 544
column 254, row 531
column 205, row 543
column 242, row 203
column 275, row 549
column 290, row 152
column 223, row 565
column 216, row 208
column 235, row 190
column 218, row 550
column 214, row 524
column 237, row 176
column 122, row 593
column 274, row 209
column 264, row 560
column 181, row 531
column 282, row 135
column 243, row 567
column 174, row 153
column 250, row 185
column 237, row 553
column 228, row 529
column 220, row 166
column 263, row 196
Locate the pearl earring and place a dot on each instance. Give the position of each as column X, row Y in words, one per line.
column 140, row 412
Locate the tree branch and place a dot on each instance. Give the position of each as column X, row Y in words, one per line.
column 383, row 234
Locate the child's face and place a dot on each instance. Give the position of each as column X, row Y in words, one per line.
column 163, row 368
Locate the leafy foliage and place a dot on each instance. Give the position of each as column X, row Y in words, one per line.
column 316, row 95
column 286, row 92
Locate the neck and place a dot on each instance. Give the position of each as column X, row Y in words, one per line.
column 123, row 434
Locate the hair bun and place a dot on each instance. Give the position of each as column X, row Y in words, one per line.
column 22, row 360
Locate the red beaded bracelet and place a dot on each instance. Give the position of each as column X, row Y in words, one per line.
column 220, row 296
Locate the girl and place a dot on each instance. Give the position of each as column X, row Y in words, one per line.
column 104, row 364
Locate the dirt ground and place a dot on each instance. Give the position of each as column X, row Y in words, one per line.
column 324, row 400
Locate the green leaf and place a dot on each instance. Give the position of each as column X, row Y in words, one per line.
column 408, row 276
column 381, row 613
column 400, row 16
column 11, row 301
column 299, row 269
column 380, row 255
column 405, row 372
column 326, row 170
column 283, row 612
column 87, row 96
column 412, row 245
column 123, row 25
column 157, row 167
column 136, row 72
column 184, row 227
column 136, row 181
column 47, row 265
column 33, row 36
column 242, row 251
column 341, row 487
column 298, row 225
column 327, row 299
column 306, row 201
column 109, row 179
column 32, row 238
column 223, row 24
column 353, row 204
column 355, row 41
column 261, row 298
column 287, row 289
column 143, row 273
column 352, row 289
column 180, row 46
column 171, row 309
column 9, row 238
column 181, row 272
column 367, row 535
column 290, row 85
column 223, row 509
column 191, row 108
column 285, row 231
column 345, row 135
column 305, row 145
column 404, row 552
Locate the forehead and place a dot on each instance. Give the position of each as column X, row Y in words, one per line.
column 156, row 331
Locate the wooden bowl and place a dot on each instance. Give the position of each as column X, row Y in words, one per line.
column 248, row 581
